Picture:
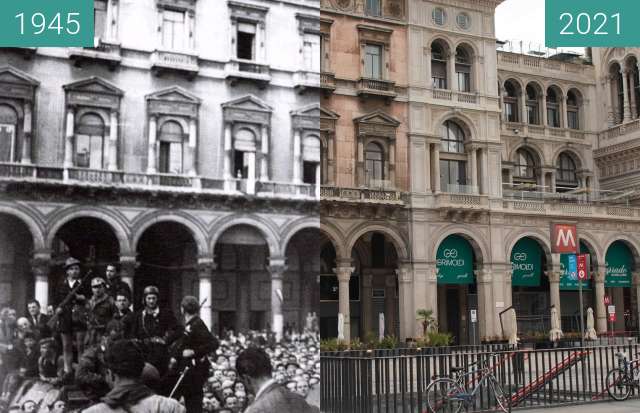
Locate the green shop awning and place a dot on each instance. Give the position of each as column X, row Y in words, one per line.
column 526, row 263
column 619, row 262
column 455, row 261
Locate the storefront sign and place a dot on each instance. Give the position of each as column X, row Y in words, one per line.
column 526, row 263
column 583, row 270
column 618, row 262
column 474, row 315
column 569, row 273
column 564, row 238
column 454, row 261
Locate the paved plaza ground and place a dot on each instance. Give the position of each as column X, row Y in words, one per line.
column 629, row 406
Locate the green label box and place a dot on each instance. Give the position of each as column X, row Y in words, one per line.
column 46, row 23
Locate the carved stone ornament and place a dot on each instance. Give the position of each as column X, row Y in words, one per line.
column 377, row 123
column 173, row 101
column 344, row 4
column 95, row 92
column 248, row 109
column 15, row 84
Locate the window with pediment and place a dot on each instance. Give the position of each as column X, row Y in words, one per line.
column 176, row 24
column 17, row 94
column 248, row 35
column 307, row 157
column 375, row 43
column 376, row 137
column 310, row 41
column 328, row 170
column 92, row 133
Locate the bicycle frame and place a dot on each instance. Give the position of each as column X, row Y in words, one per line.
column 468, row 397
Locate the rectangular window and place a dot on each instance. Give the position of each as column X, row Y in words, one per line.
column 246, row 41
column 7, row 142
column 239, row 165
column 311, row 52
column 173, row 29
column 373, row 7
column 373, row 61
column 464, row 82
column 510, row 112
column 553, row 118
column 309, row 172
column 532, row 114
column 572, row 119
column 89, row 150
column 100, row 18
column 171, row 157
column 439, row 74
column 453, row 175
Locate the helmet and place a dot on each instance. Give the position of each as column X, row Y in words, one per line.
column 96, row 281
column 70, row 262
column 150, row 289
column 190, row 304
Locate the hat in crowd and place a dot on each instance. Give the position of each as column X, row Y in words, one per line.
column 150, row 289
column 125, row 358
column 48, row 341
column 96, row 281
column 70, row 262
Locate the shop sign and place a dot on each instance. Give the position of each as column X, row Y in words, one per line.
column 454, row 261
column 564, row 238
column 526, row 263
column 569, row 273
column 618, row 261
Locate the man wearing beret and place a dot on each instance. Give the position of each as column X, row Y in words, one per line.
column 72, row 327
column 125, row 363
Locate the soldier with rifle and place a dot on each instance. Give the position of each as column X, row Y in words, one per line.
column 156, row 327
column 190, row 353
column 70, row 316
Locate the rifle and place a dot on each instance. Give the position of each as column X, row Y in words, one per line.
column 54, row 318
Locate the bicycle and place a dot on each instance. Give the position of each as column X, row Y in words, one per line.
column 622, row 379
column 449, row 395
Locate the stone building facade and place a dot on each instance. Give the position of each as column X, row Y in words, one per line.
column 500, row 146
column 187, row 152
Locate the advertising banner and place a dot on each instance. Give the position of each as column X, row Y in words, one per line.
column 454, row 261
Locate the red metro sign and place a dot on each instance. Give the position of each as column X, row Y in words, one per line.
column 564, row 238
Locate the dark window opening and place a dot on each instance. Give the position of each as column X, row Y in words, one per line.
column 309, row 172
column 245, row 45
column 377, row 251
column 239, row 168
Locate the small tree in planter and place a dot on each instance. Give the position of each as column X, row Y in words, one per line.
column 429, row 323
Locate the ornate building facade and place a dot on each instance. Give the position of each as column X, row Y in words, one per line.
column 500, row 145
column 193, row 163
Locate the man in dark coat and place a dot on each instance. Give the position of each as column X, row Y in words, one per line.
column 101, row 311
column 157, row 329
column 37, row 320
column 115, row 284
column 124, row 316
column 71, row 318
column 192, row 350
column 254, row 368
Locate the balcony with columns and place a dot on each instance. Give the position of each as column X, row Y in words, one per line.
column 104, row 50
column 328, row 82
column 367, row 87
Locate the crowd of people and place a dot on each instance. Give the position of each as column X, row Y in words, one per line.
column 91, row 343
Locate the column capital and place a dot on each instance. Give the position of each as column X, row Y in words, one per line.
column 276, row 268
column 344, row 273
column 635, row 278
column 554, row 276
column 206, row 266
column 40, row 264
column 600, row 274
column 483, row 275
column 404, row 274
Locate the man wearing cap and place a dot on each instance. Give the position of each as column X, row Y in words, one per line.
column 115, row 284
column 157, row 328
column 192, row 350
column 71, row 327
column 101, row 311
column 124, row 316
column 125, row 363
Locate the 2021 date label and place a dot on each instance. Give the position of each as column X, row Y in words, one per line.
column 592, row 23
column 46, row 23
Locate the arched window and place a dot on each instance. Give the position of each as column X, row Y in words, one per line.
column 90, row 142
column 511, row 102
column 553, row 108
column 452, row 138
column 573, row 110
column 171, row 148
column 566, row 177
column 463, row 69
column 533, row 117
column 8, row 131
column 438, row 65
column 374, row 164
column 525, row 167
column 617, row 90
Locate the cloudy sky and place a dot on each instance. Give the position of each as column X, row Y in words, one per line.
column 523, row 20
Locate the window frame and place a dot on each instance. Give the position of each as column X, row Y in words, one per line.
column 380, row 49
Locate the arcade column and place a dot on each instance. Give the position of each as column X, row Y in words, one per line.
column 276, row 269
column 40, row 266
column 343, row 272
column 601, row 310
column 205, row 271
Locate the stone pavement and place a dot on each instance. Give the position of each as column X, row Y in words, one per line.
column 629, row 406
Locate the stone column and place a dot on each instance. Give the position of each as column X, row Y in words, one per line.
column 473, row 166
column 522, row 103
column 112, row 164
column 317, row 189
column 427, row 167
column 617, row 299
column 26, row 142
column 407, row 316
column 508, row 288
column 251, row 172
column 277, row 268
column 343, row 272
column 484, row 168
column 632, row 95
column 635, row 292
column 390, row 305
column 600, row 310
column 486, row 312
column 151, row 157
column 40, row 267
column 264, row 165
column 297, row 159
column 436, row 169
column 611, row 119
column 543, row 101
column 205, row 271
column 499, row 301
column 128, row 270
column 451, row 66
column 554, row 290
column 368, row 318
column 423, row 294
column 625, row 89
column 563, row 108
column 69, row 136
column 193, row 144
column 227, row 151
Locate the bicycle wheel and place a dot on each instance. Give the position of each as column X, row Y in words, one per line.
column 618, row 385
column 502, row 399
column 443, row 396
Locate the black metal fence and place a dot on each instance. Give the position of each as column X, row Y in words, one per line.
column 397, row 380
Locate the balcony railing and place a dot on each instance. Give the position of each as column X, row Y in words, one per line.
column 328, row 81
column 362, row 194
column 536, row 64
column 460, row 97
column 239, row 69
column 272, row 188
column 461, row 189
column 162, row 60
column 541, row 130
column 620, row 130
column 379, row 87
column 104, row 50
column 305, row 79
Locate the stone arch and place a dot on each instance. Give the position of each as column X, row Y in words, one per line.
column 396, row 238
column 475, row 239
column 335, row 237
column 469, row 46
column 559, row 89
column 198, row 232
column 514, row 79
column 591, row 242
column 117, row 223
column 445, row 40
column 541, row 237
column 268, row 231
column 32, row 222
column 462, row 119
column 572, row 152
column 632, row 243
column 296, row 226
column 626, row 60
column 533, row 147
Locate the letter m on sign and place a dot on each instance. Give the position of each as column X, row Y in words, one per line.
column 564, row 238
